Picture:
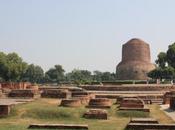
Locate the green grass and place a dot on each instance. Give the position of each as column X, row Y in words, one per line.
column 54, row 113
column 46, row 111
column 132, row 114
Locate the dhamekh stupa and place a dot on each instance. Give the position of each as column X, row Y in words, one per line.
column 136, row 61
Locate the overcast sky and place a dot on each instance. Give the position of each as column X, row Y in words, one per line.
column 83, row 34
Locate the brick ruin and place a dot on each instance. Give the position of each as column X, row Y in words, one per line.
column 5, row 110
column 55, row 93
column 23, row 93
column 1, row 92
column 119, row 99
column 130, row 87
column 148, row 124
column 144, row 120
column 70, row 103
column 136, row 61
column 172, row 103
column 167, row 96
column 12, row 85
column 147, row 99
column 83, row 96
column 84, row 99
column 21, row 89
column 59, row 126
column 98, row 97
column 99, row 103
column 96, row 114
column 149, row 93
column 133, row 104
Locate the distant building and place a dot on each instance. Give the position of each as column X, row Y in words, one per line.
column 136, row 61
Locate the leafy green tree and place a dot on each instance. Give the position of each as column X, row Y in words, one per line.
column 162, row 59
column 171, row 55
column 79, row 76
column 162, row 73
column 156, row 73
column 12, row 67
column 34, row 74
column 97, row 76
column 107, row 76
column 168, row 72
column 55, row 74
column 3, row 66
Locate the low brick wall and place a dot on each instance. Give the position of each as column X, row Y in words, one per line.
column 148, row 126
column 22, row 93
column 58, row 126
column 71, row 89
column 55, row 93
column 129, row 88
column 132, row 103
column 82, row 93
column 99, row 103
column 96, row 114
column 144, row 120
column 146, row 99
column 21, row 85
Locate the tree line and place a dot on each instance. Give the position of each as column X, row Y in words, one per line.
column 14, row 69
column 165, row 68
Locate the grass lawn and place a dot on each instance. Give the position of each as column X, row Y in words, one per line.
column 47, row 111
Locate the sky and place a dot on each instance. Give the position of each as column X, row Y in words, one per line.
column 83, row 34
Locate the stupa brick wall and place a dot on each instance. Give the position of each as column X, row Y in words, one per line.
column 136, row 61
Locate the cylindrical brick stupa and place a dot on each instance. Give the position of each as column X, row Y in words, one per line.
column 136, row 61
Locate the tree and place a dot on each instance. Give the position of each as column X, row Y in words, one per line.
column 156, row 73
column 97, row 76
column 171, row 55
column 79, row 76
column 55, row 74
column 162, row 73
column 12, row 67
column 3, row 66
column 168, row 72
column 162, row 59
column 34, row 74
column 107, row 76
